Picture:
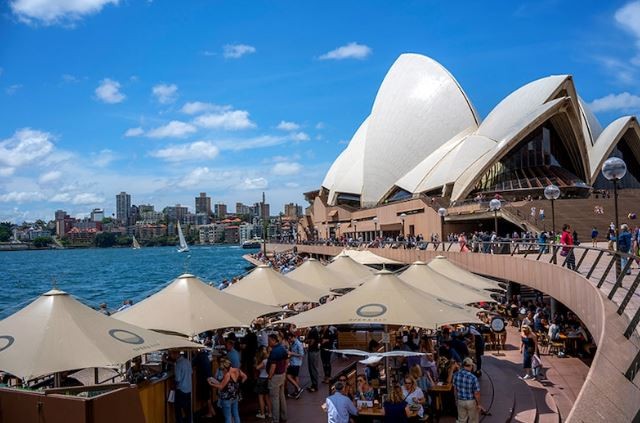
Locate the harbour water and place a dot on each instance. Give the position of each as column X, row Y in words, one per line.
column 109, row 275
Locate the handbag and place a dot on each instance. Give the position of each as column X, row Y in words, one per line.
column 564, row 253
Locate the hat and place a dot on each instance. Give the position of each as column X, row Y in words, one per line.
column 467, row 362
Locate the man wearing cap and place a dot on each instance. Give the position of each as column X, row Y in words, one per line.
column 339, row 406
column 467, row 391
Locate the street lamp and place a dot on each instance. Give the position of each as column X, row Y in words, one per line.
column 442, row 212
column 552, row 193
column 355, row 229
column 494, row 206
column 402, row 217
column 338, row 230
column 614, row 169
column 375, row 225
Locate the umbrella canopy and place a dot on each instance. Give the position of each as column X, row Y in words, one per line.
column 421, row 276
column 314, row 273
column 443, row 266
column 189, row 306
column 57, row 333
column 367, row 257
column 266, row 286
column 386, row 299
column 349, row 269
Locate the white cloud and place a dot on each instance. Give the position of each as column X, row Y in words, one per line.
column 623, row 101
column 251, row 143
column 63, row 197
column 173, row 129
column 87, row 198
column 12, row 89
column 49, row 12
column 236, row 51
column 230, row 120
column 254, row 183
column 51, row 176
column 288, row 126
column 103, row 158
column 109, row 92
column 195, row 177
column 286, row 168
column 300, row 136
column 195, row 107
column 7, row 171
column 165, row 93
column 25, row 146
column 349, row 51
column 134, row 132
column 68, row 78
column 20, row 197
column 320, row 125
column 196, row 151
column 292, row 185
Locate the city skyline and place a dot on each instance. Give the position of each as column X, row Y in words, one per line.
column 259, row 98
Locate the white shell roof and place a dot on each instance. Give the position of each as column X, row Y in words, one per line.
column 419, row 107
column 423, row 132
column 605, row 143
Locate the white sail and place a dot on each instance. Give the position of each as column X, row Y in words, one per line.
column 183, row 243
column 136, row 244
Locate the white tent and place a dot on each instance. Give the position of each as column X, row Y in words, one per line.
column 421, row 276
column 315, row 274
column 367, row 257
column 189, row 306
column 265, row 285
column 349, row 269
column 386, row 299
column 443, row 266
column 56, row 333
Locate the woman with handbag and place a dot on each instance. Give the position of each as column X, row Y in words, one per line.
column 414, row 396
column 567, row 247
column 229, row 390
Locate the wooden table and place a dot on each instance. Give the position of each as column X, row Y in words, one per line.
column 367, row 414
column 437, row 391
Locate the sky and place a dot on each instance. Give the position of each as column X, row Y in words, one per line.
column 166, row 99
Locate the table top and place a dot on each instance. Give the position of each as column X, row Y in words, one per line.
column 371, row 411
column 441, row 388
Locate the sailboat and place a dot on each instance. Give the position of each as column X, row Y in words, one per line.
column 135, row 243
column 183, row 248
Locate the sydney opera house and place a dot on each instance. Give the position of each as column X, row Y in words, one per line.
column 424, row 146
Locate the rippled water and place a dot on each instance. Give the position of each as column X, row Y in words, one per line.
column 109, row 275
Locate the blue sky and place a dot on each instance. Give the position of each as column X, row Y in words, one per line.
column 165, row 99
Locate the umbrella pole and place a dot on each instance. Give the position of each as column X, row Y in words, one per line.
column 387, row 373
column 57, row 379
column 95, row 375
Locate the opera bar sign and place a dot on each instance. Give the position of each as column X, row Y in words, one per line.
column 6, row 341
column 370, row 313
column 129, row 337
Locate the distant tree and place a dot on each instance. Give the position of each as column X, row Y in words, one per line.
column 5, row 231
column 105, row 240
column 41, row 242
column 107, row 220
column 124, row 241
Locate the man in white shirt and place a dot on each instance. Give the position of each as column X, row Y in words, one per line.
column 339, row 407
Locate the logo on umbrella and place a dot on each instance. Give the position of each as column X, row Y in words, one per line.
column 371, row 310
column 126, row 336
column 6, row 341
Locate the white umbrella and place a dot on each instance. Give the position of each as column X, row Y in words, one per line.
column 315, row 274
column 265, row 285
column 423, row 277
column 56, row 333
column 349, row 269
column 386, row 299
column 189, row 306
column 443, row 266
column 367, row 257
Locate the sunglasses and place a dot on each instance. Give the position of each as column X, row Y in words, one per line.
column 342, row 380
column 408, row 382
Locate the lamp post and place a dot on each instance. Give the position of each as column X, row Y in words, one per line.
column 402, row 217
column 355, row 229
column 375, row 225
column 494, row 206
column 442, row 212
column 614, row 169
column 552, row 193
column 337, row 231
